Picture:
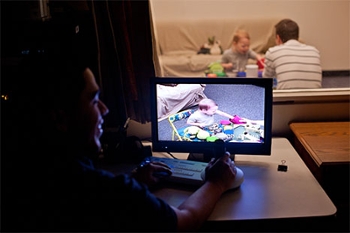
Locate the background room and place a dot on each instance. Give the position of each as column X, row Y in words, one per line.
column 323, row 24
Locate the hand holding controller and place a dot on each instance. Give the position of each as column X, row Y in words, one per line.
column 220, row 151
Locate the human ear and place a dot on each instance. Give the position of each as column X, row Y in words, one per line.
column 278, row 40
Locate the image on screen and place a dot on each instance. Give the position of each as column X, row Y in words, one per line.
column 193, row 112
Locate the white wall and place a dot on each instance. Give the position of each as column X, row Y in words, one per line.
column 324, row 24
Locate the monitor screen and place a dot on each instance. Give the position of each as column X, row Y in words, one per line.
column 189, row 114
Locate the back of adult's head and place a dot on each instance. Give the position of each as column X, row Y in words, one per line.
column 287, row 29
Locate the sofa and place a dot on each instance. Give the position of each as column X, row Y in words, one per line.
column 178, row 42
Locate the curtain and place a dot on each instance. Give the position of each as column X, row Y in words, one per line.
column 125, row 58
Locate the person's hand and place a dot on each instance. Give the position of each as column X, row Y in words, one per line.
column 221, row 171
column 260, row 62
column 228, row 66
column 147, row 172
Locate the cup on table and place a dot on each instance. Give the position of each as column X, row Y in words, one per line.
column 251, row 71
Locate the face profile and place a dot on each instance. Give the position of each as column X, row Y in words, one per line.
column 90, row 114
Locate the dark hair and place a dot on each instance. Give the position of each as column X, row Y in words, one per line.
column 287, row 29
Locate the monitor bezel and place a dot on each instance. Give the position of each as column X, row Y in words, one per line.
column 203, row 147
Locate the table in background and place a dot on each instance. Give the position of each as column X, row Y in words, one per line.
column 323, row 145
column 325, row 149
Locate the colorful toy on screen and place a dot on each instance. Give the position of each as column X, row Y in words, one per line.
column 196, row 132
column 215, row 128
column 238, row 120
column 180, row 116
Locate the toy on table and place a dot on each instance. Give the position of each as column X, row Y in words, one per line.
column 261, row 66
column 215, row 68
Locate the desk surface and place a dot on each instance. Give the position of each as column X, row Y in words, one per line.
column 266, row 193
column 326, row 142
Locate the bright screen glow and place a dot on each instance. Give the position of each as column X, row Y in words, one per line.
column 188, row 114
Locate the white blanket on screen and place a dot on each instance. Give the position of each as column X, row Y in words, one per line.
column 172, row 99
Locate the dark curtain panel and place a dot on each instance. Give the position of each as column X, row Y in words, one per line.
column 123, row 31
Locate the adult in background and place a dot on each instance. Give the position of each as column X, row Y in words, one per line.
column 294, row 65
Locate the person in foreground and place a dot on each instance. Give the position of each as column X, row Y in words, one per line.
column 54, row 184
column 295, row 65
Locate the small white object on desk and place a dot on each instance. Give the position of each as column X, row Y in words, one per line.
column 251, row 71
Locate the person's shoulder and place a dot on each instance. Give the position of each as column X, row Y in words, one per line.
column 310, row 47
column 272, row 49
column 303, row 45
column 252, row 52
column 196, row 113
column 227, row 51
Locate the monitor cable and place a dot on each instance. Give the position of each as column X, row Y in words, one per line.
column 171, row 155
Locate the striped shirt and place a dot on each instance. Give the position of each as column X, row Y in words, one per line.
column 294, row 65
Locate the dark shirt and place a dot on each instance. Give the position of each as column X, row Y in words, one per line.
column 72, row 195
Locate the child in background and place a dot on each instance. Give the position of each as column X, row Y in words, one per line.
column 204, row 116
column 236, row 58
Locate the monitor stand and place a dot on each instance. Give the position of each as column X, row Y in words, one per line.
column 217, row 150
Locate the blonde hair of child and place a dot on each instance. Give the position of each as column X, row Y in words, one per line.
column 239, row 34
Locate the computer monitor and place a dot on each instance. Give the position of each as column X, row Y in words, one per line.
column 245, row 130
